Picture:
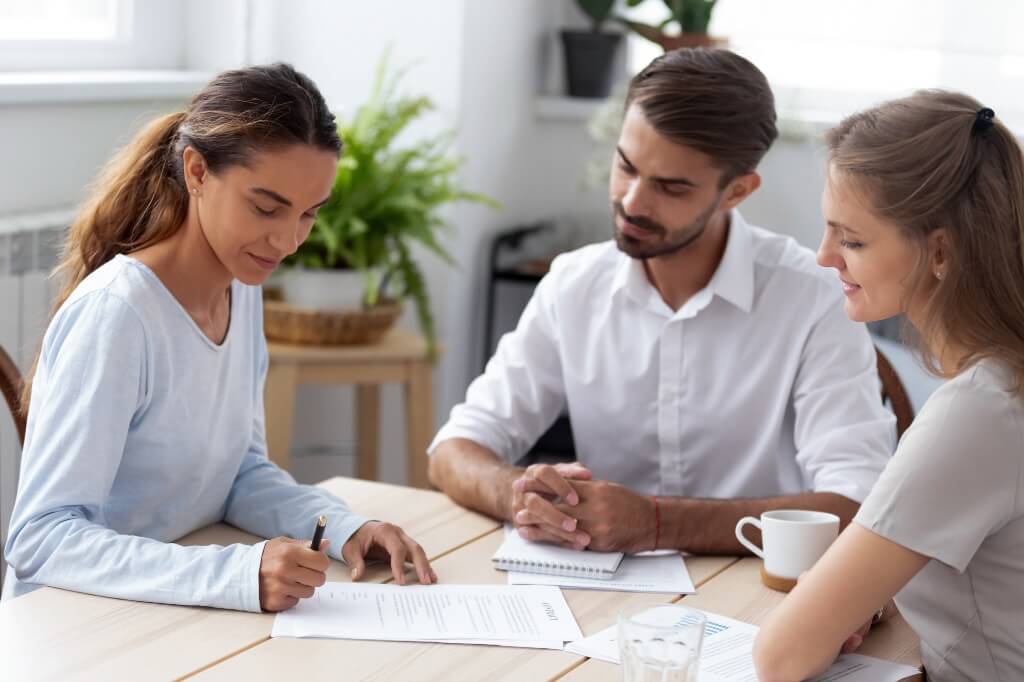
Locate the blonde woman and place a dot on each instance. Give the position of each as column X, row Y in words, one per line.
column 924, row 206
column 146, row 411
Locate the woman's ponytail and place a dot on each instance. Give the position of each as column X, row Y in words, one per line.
column 140, row 197
column 137, row 201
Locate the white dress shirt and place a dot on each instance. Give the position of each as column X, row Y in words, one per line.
column 758, row 386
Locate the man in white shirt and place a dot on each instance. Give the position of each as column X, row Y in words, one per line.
column 707, row 366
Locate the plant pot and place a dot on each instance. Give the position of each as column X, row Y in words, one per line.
column 589, row 56
column 326, row 290
column 669, row 43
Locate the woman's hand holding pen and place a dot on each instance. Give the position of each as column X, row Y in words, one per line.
column 289, row 571
column 376, row 540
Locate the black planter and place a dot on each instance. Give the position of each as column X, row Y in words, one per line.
column 588, row 62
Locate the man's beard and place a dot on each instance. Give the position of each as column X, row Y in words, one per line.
column 672, row 240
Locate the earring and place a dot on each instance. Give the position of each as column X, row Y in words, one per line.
column 939, row 275
column 195, row 190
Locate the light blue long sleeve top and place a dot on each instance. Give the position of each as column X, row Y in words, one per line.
column 142, row 430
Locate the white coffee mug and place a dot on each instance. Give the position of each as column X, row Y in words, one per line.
column 793, row 539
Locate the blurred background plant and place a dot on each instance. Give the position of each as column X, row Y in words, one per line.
column 598, row 11
column 686, row 24
column 386, row 198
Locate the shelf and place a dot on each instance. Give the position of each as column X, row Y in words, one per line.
column 30, row 87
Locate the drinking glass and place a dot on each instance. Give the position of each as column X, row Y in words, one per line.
column 660, row 643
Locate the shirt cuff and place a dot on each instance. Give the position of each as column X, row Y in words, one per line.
column 250, row 592
column 496, row 444
column 855, row 486
column 341, row 533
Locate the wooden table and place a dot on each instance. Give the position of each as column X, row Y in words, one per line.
column 54, row 634
column 401, row 357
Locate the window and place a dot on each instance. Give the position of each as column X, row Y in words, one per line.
column 835, row 56
column 69, row 35
column 62, row 20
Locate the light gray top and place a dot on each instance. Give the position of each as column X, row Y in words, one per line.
column 953, row 492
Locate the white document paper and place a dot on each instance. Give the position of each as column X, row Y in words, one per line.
column 664, row 573
column 526, row 615
column 727, row 656
column 516, row 643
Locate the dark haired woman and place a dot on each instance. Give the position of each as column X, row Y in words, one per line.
column 146, row 417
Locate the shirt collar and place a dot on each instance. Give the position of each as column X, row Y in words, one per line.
column 631, row 279
column 733, row 279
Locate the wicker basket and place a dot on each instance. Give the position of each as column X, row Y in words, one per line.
column 282, row 322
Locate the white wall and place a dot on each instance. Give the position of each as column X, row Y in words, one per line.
column 789, row 199
column 53, row 151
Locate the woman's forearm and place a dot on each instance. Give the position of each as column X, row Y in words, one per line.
column 859, row 573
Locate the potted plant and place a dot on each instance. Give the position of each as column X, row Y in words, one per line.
column 385, row 199
column 685, row 26
column 589, row 55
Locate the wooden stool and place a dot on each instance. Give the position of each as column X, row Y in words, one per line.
column 401, row 357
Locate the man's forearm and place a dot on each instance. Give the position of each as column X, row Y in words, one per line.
column 709, row 526
column 474, row 476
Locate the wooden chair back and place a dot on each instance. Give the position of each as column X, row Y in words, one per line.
column 10, row 386
column 895, row 394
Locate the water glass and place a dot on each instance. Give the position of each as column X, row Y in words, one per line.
column 660, row 643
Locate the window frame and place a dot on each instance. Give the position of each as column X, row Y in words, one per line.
column 149, row 35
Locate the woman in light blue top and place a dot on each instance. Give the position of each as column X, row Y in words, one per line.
column 146, row 407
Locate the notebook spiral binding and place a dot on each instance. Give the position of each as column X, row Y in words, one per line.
column 554, row 565
column 551, row 568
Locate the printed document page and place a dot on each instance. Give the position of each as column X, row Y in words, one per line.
column 511, row 615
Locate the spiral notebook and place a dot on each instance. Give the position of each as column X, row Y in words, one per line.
column 517, row 554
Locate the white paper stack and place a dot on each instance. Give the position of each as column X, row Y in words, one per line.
column 647, row 572
column 503, row 615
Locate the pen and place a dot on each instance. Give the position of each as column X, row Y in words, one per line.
column 318, row 533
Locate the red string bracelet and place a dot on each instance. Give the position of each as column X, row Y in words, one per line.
column 657, row 521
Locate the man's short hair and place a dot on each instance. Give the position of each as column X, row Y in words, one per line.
column 712, row 100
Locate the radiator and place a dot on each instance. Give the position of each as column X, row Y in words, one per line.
column 29, row 246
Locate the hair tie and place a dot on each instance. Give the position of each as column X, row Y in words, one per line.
column 983, row 120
